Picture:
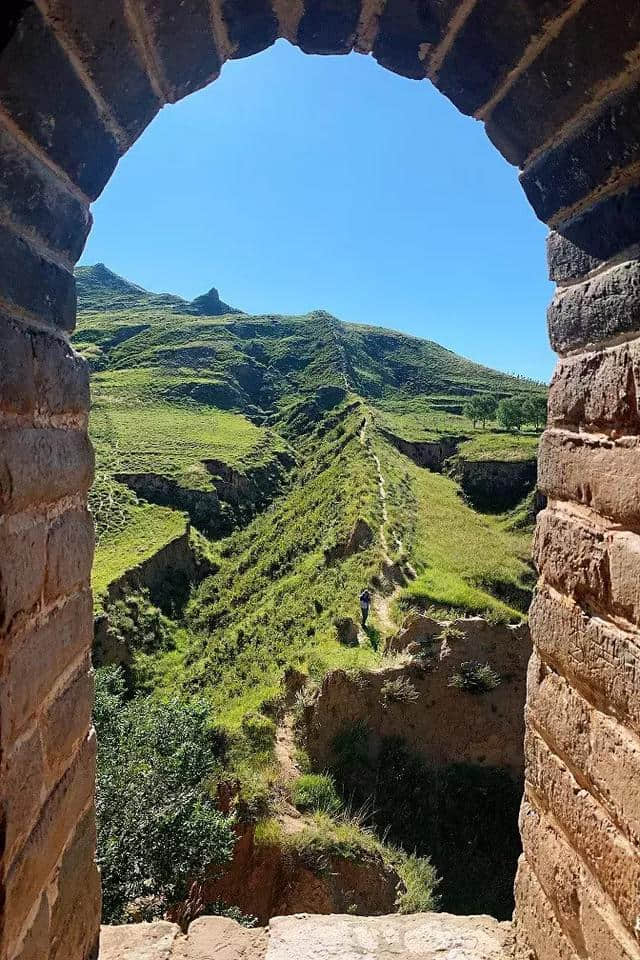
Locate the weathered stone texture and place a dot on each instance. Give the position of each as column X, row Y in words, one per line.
column 588, row 51
column 34, row 285
column 44, row 96
column 101, row 35
column 588, row 158
column 42, row 465
column 586, row 242
column 491, row 42
column 31, row 872
column 609, row 856
column 35, row 659
column 23, row 552
column 598, row 389
column 184, row 43
column 38, row 203
column 536, row 926
column 596, row 657
column 406, row 31
column 606, row 306
column 579, row 467
column 252, row 25
column 328, row 26
column 75, row 906
column 68, row 570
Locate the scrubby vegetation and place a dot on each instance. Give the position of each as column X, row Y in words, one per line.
column 251, row 429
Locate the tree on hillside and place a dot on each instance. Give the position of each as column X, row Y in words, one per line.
column 534, row 410
column 487, row 406
column 159, row 828
column 481, row 407
column 510, row 414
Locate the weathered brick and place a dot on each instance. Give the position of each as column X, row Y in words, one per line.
column 572, row 555
column 576, row 467
column 536, row 927
column 598, row 389
column 33, row 662
column 35, row 285
column 328, row 26
column 22, row 567
column 599, row 658
column 35, row 943
column 623, row 554
column 22, row 787
column 604, row 938
column 597, row 309
column 43, row 465
column 66, row 722
column 405, row 30
column 589, row 240
column 607, row 853
column 558, row 870
column 606, row 753
column 102, row 36
column 589, row 50
column 69, row 553
column 39, row 202
column 62, row 376
column 490, row 44
column 29, row 874
column 17, row 384
column 183, row 38
column 252, row 25
column 75, row 911
column 45, row 97
column 587, row 159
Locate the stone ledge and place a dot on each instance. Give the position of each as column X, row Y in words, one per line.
column 314, row 937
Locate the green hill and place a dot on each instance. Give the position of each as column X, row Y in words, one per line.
column 254, row 473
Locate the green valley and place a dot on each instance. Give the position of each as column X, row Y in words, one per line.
column 253, row 475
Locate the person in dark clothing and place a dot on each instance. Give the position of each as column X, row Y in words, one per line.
column 365, row 603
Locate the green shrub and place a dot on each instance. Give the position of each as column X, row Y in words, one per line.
column 421, row 881
column 158, row 827
column 475, row 677
column 315, row 791
column 399, row 690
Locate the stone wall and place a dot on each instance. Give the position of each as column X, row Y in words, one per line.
column 556, row 83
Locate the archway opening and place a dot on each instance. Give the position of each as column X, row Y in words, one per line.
column 219, row 427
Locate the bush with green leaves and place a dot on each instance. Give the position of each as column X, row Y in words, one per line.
column 475, row 677
column 421, row 880
column 158, row 826
column 317, row 792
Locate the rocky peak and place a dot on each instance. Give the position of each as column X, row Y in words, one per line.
column 210, row 305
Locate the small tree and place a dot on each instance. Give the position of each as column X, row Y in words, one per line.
column 487, row 406
column 509, row 413
column 534, row 410
column 472, row 410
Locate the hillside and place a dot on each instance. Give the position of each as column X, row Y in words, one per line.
column 254, row 473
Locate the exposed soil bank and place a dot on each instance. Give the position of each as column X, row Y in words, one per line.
column 443, row 725
column 235, row 499
column 168, row 575
column 270, row 880
column 430, row 454
column 441, row 772
column 495, row 485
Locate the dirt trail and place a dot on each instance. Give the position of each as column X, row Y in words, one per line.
column 292, row 820
column 392, row 573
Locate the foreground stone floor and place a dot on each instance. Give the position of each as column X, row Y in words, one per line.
column 427, row 936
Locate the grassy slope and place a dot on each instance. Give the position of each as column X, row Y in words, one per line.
column 172, row 388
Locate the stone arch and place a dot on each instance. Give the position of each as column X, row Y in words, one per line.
column 556, row 83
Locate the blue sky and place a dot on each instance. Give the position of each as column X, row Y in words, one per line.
column 297, row 182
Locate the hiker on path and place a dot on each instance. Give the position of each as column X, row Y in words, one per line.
column 365, row 603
